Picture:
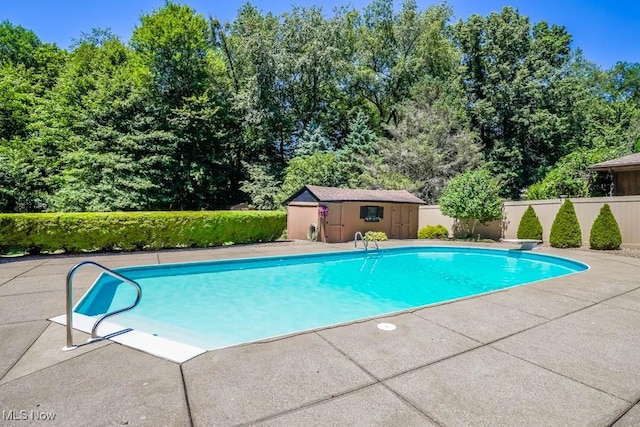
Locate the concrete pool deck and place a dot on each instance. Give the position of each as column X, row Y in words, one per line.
column 560, row 352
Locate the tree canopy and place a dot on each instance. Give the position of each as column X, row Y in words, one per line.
column 194, row 113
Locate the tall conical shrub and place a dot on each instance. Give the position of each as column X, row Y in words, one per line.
column 565, row 231
column 605, row 232
column 530, row 227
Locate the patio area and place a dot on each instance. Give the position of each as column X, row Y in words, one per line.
column 560, row 352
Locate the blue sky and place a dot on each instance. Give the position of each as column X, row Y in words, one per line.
column 606, row 30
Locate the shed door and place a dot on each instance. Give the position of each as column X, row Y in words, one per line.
column 401, row 222
column 406, row 221
column 334, row 224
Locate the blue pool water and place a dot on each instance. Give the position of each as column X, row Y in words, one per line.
column 222, row 303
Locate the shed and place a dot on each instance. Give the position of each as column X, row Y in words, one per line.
column 626, row 174
column 394, row 212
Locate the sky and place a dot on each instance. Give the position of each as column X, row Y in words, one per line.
column 607, row 31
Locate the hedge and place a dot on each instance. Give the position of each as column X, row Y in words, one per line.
column 79, row 232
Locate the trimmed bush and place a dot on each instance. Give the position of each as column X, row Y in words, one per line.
column 530, row 227
column 605, row 232
column 565, row 231
column 380, row 236
column 433, row 232
column 81, row 232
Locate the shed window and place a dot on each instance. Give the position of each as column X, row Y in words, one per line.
column 371, row 213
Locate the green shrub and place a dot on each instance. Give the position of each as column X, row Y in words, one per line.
column 565, row 231
column 530, row 227
column 433, row 232
column 472, row 198
column 570, row 176
column 380, row 236
column 80, row 232
column 605, row 232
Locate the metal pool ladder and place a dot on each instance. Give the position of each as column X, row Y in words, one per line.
column 365, row 243
column 94, row 335
column 373, row 239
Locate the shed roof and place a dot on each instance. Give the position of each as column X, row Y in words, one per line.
column 334, row 194
column 627, row 162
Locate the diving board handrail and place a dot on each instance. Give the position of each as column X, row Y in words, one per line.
column 69, row 296
column 364, row 242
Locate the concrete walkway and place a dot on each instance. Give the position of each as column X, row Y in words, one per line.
column 562, row 352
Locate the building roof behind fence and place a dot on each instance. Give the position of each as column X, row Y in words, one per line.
column 626, row 162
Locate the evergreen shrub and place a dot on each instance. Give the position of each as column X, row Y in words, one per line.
column 530, row 227
column 605, row 232
column 565, row 231
column 433, row 232
column 380, row 236
column 106, row 231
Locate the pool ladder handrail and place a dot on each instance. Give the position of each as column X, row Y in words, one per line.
column 69, row 295
column 373, row 239
column 364, row 242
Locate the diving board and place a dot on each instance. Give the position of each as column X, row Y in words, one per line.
column 525, row 244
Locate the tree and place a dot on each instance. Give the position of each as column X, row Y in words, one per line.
column 361, row 145
column 172, row 42
column 17, row 101
column 395, row 51
column 571, row 178
column 17, row 44
column 263, row 187
column 187, row 89
column 529, row 227
column 606, row 125
column 317, row 169
column 21, row 47
column 310, row 63
column 472, row 198
column 198, row 114
column 23, row 171
column 428, row 147
column 102, row 166
column 250, row 50
column 565, row 230
column 605, row 232
column 624, row 81
column 513, row 73
column 288, row 72
column 313, row 140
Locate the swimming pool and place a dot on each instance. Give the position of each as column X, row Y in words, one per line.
column 217, row 304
